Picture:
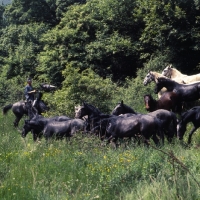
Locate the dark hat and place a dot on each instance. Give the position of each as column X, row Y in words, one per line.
column 29, row 79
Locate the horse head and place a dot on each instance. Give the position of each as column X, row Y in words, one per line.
column 82, row 110
column 148, row 78
column 119, row 109
column 26, row 128
column 122, row 108
column 47, row 87
column 163, row 82
column 79, row 111
column 148, row 99
column 181, row 128
column 167, row 71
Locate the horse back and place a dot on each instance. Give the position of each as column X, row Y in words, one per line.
column 18, row 108
column 168, row 101
column 123, row 127
column 192, row 78
column 59, row 129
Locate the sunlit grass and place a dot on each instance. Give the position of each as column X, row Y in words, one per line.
column 84, row 168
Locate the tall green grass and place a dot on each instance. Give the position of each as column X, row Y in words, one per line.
column 84, row 168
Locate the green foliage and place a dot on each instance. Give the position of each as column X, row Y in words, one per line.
column 167, row 28
column 62, row 6
column 20, row 45
column 90, row 41
column 29, row 11
column 114, row 38
column 2, row 9
column 12, row 90
column 82, row 86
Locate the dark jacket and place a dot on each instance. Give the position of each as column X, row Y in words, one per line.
column 28, row 96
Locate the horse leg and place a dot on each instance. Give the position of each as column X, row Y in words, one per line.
column 155, row 139
column 17, row 119
column 35, row 135
column 114, row 142
column 190, row 135
column 161, row 133
column 171, row 132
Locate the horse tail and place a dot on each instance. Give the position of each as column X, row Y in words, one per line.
column 6, row 108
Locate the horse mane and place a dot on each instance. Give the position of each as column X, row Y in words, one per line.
column 176, row 72
column 93, row 108
column 189, row 112
column 156, row 74
column 129, row 109
column 164, row 79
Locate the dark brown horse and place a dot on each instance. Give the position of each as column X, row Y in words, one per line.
column 168, row 101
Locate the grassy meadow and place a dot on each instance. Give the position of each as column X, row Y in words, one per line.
column 85, row 169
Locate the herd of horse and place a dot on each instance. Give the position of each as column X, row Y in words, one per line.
column 173, row 89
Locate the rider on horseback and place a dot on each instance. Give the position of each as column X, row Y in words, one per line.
column 29, row 93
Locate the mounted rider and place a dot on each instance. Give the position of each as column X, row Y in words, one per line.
column 29, row 93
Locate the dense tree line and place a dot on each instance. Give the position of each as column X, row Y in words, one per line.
column 112, row 40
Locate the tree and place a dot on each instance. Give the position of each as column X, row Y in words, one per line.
column 97, row 35
column 170, row 27
column 82, row 86
column 62, row 6
column 20, row 46
column 29, row 11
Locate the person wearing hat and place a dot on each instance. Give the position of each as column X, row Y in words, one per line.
column 29, row 91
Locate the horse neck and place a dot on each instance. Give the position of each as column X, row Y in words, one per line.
column 92, row 113
column 170, row 85
column 175, row 73
column 156, row 76
column 42, row 122
column 188, row 116
column 153, row 105
column 128, row 110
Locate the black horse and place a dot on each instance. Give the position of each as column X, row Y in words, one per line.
column 22, row 108
column 59, row 127
column 144, row 125
column 122, row 108
column 96, row 121
column 192, row 115
column 168, row 120
column 186, row 92
column 47, row 87
column 37, row 123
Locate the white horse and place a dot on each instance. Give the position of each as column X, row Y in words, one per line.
column 153, row 76
column 173, row 74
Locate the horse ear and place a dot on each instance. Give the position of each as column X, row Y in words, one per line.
column 122, row 102
column 170, row 66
